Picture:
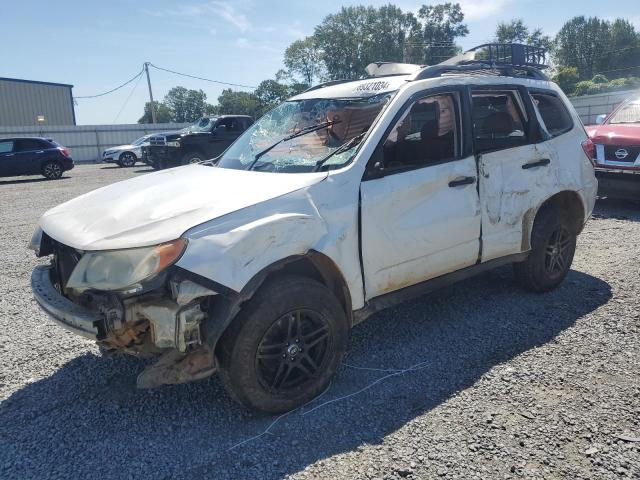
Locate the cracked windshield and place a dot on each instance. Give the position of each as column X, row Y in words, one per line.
column 305, row 135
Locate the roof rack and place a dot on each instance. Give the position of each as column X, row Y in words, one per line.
column 501, row 59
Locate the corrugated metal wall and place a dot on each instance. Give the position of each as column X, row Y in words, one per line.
column 87, row 142
column 22, row 101
column 590, row 106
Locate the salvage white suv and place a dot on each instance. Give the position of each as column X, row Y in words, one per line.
column 341, row 201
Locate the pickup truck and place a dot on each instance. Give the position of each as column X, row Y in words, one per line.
column 205, row 139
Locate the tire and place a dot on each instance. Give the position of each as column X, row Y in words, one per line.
column 553, row 244
column 191, row 157
column 285, row 345
column 127, row 159
column 52, row 170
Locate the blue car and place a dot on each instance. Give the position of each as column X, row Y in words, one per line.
column 33, row 156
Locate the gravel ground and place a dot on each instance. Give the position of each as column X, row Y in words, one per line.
column 506, row 384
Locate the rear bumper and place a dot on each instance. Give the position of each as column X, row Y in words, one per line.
column 614, row 183
column 63, row 311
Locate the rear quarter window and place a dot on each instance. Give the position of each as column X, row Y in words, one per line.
column 553, row 112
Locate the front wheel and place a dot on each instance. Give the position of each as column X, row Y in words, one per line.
column 52, row 170
column 127, row 160
column 284, row 346
column 553, row 244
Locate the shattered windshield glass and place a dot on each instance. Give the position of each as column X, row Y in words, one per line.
column 299, row 135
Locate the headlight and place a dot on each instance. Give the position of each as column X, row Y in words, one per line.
column 118, row 269
column 36, row 241
column 173, row 144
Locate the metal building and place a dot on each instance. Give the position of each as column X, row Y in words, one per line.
column 29, row 103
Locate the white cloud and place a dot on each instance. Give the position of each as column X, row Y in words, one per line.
column 229, row 13
column 480, row 9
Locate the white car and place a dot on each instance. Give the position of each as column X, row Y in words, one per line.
column 342, row 201
column 126, row 155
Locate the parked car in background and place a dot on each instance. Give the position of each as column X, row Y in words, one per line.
column 32, row 156
column 126, row 155
column 205, row 139
column 616, row 144
column 341, row 201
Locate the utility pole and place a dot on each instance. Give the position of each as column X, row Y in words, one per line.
column 152, row 105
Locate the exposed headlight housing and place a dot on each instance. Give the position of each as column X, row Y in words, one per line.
column 120, row 269
column 36, row 241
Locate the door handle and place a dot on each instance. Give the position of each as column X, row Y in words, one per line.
column 462, row 181
column 539, row 163
column 40, row 151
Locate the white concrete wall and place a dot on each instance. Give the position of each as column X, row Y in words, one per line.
column 87, row 142
column 590, row 106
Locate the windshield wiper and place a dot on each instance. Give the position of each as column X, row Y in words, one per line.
column 341, row 149
column 299, row 133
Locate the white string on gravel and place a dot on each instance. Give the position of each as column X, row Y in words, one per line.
column 394, row 373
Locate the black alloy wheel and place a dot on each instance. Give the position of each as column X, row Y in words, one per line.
column 293, row 351
column 558, row 252
column 127, row 160
column 52, row 170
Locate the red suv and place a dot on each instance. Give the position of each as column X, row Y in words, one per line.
column 617, row 150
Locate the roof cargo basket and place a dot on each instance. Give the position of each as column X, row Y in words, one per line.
column 501, row 59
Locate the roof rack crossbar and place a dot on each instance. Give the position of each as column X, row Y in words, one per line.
column 473, row 67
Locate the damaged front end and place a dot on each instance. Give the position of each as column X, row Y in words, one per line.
column 160, row 315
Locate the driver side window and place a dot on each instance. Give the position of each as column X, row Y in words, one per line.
column 427, row 133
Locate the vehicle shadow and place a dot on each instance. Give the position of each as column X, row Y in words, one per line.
column 88, row 416
column 617, row 208
column 144, row 170
column 30, row 180
column 110, row 167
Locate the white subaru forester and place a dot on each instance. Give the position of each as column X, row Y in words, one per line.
column 339, row 202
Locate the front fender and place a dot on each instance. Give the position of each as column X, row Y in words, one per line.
column 233, row 249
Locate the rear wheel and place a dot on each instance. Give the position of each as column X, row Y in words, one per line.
column 52, row 170
column 127, row 160
column 284, row 346
column 553, row 244
column 191, row 157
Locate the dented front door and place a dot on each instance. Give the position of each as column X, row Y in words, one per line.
column 421, row 219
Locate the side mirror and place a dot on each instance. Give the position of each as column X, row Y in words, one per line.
column 375, row 167
column 601, row 118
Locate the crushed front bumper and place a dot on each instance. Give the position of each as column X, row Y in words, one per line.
column 63, row 311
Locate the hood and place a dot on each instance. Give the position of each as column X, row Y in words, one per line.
column 617, row 134
column 159, row 207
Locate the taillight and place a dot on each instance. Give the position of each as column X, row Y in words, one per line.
column 590, row 150
column 64, row 150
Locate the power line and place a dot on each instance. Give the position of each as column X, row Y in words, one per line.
column 128, row 97
column 202, row 78
column 113, row 89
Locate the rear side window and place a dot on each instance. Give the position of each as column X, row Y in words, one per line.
column 553, row 112
column 28, row 145
column 498, row 120
column 6, row 146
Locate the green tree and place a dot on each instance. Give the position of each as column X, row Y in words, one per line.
column 440, row 26
column 585, row 44
column 163, row 113
column 304, row 58
column 357, row 36
column 567, row 78
column 186, row 105
column 238, row 103
column 516, row 31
